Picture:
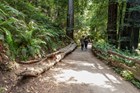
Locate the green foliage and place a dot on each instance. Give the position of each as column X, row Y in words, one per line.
column 122, row 60
column 1, row 90
column 27, row 31
column 9, row 40
column 128, row 75
column 117, row 70
column 104, row 46
column 98, row 21
column 136, row 83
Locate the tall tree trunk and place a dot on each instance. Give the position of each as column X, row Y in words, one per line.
column 126, row 32
column 112, row 22
column 70, row 19
column 121, row 17
column 135, row 38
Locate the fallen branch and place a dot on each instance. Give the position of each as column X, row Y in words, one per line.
column 48, row 62
column 32, row 72
column 39, row 60
column 30, row 61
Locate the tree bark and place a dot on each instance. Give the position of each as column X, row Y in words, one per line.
column 112, row 22
column 135, row 37
column 70, row 19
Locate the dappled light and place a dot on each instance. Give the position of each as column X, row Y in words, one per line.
column 87, row 72
column 73, row 76
column 69, row 46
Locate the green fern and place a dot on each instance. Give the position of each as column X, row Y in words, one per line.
column 27, row 31
column 10, row 42
column 8, row 22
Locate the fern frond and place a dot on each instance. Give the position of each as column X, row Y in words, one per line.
column 9, row 21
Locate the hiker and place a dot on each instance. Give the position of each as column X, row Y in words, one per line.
column 82, row 42
column 86, row 41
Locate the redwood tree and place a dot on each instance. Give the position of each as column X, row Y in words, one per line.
column 70, row 19
column 112, row 22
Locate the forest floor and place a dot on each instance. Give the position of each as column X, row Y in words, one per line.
column 79, row 72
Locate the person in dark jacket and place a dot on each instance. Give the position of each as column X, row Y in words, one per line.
column 82, row 42
column 86, row 41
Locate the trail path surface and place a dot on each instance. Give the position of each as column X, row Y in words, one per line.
column 79, row 72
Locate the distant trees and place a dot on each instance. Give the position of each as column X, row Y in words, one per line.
column 127, row 29
column 130, row 32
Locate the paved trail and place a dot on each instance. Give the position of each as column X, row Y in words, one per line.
column 79, row 72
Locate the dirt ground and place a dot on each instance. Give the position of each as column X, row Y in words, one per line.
column 79, row 72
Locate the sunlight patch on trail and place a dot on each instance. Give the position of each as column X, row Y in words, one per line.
column 79, row 77
column 85, row 63
column 80, row 63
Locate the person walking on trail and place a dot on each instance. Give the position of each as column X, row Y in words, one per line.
column 86, row 41
column 82, row 42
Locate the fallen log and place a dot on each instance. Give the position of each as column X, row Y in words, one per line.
column 30, row 61
column 39, row 60
column 47, row 56
column 32, row 72
column 48, row 62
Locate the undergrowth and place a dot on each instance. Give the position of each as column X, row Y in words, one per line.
column 1, row 90
column 27, row 33
column 105, row 47
column 126, row 74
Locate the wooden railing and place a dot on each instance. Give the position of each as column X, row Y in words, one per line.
column 125, row 57
column 135, row 69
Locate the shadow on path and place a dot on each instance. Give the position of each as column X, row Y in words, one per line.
column 79, row 72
